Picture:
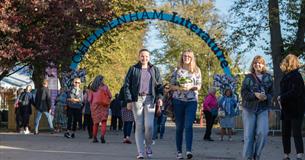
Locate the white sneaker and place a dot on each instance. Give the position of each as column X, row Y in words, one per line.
column 153, row 142
column 27, row 131
column 179, row 156
column 22, row 131
column 189, row 155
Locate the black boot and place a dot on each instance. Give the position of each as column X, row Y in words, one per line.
column 103, row 140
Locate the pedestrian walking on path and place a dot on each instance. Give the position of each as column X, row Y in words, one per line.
column 185, row 82
column 256, row 95
column 143, row 88
column 26, row 101
column 60, row 118
column 99, row 98
column 292, row 98
column 210, row 110
column 43, row 105
column 228, row 106
column 74, row 103
column 116, row 117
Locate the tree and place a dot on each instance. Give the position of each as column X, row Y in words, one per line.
column 117, row 50
column 178, row 39
column 38, row 32
column 283, row 20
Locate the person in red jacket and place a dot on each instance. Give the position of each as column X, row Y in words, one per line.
column 210, row 108
column 99, row 98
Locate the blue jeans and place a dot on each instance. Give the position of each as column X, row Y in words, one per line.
column 185, row 112
column 38, row 117
column 256, row 128
column 159, row 123
column 127, row 128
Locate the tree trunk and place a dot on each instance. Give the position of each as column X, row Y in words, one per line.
column 38, row 74
column 299, row 42
column 276, row 44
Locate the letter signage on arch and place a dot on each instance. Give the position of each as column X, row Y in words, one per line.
column 137, row 16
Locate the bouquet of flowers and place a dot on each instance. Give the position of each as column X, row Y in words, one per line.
column 184, row 82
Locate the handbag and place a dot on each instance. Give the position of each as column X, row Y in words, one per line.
column 214, row 111
column 221, row 113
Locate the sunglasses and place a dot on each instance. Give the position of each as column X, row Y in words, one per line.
column 186, row 56
column 77, row 82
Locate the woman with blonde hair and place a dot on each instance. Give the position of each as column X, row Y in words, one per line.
column 256, row 95
column 292, row 104
column 185, row 83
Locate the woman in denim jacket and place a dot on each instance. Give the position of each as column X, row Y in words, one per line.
column 228, row 104
column 256, row 95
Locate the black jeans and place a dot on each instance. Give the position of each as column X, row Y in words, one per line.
column 88, row 123
column 114, row 122
column 18, row 119
column 73, row 117
column 209, row 119
column 25, row 114
column 294, row 125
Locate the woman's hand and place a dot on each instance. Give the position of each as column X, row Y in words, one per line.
column 159, row 102
column 260, row 96
column 129, row 106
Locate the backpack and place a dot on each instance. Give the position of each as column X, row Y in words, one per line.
column 101, row 97
column 23, row 99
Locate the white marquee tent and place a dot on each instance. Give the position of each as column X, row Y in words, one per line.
column 16, row 80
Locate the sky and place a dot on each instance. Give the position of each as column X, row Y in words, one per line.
column 223, row 7
column 153, row 42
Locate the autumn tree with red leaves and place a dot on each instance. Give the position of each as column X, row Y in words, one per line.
column 36, row 32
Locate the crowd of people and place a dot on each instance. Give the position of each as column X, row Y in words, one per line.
column 144, row 103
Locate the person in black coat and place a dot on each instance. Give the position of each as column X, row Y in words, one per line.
column 292, row 102
column 116, row 117
column 25, row 103
column 43, row 105
column 17, row 110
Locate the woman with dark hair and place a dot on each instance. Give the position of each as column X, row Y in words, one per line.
column 292, row 101
column 160, row 118
column 60, row 118
column 17, row 110
column 88, row 123
column 142, row 90
column 99, row 98
column 228, row 105
column 26, row 100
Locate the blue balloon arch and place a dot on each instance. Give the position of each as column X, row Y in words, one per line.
column 138, row 16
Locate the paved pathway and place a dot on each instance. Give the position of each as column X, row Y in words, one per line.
column 47, row 146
